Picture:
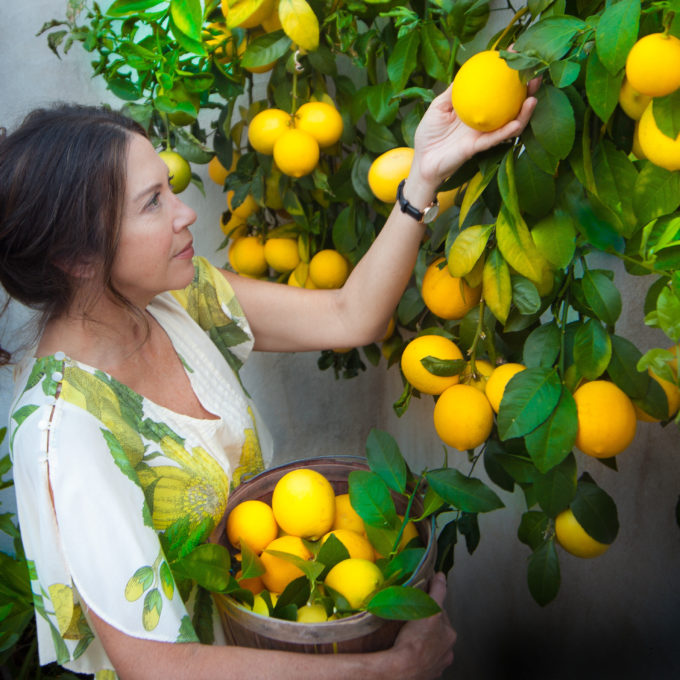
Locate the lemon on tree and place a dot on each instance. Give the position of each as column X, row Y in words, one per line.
column 486, row 92
column 322, row 121
column 631, row 101
column 304, row 503
column 436, row 346
column 217, row 172
column 246, row 256
column 387, row 171
column 282, row 254
column 244, row 209
column 653, row 64
column 497, row 382
column 178, row 169
column 357, row 545
column 463, row 417
column 328, row 269
column 253, row 522
column 279, row 571
column 265, row 129
column 655, row 145
column 296, row 153
column 606, row 419
column 573, row 537
column 355, row 579
column 672, row 392
column 246, row 13
column 449, row 297
column 478, row 376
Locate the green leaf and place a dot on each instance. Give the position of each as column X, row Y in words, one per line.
column 543, row 574
column 468, row 525
column 656, row 193
column 529, row 398
column 602, row 88
column 265, row 50
column 370, row 497
column 310, row 568
column 540, row 156
column 402, row 603
column 403, row 60
column 297, row 592
column 121, row 8
column 594, row 220
column 404, row 564
column 553, row 121
column 496, row 285
column 602, row 295
column 623, row 369
column 443, row 367
column 517, row 247
column 251, row 565
column 552, row 441
column 446, row 543
column 332, row 551
column 617, row 32
column 666, row 112
column 385, row 459
column 524, row 295
column 533, row 528
column 208, row 564
column 535, row 188
column 557, row 487
column 187, row 18
column 380, row 104
column 468, row 247
column 596, row 512
column 435, row 51
column 542, row 346
column 467, row 17
column 592, row 349
column 564, row 73
column 463, row 493
column 473, row 191
column 668, row 313
column 550, row 38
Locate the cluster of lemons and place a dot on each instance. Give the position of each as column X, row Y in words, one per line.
column 652, row 71
column 304, row 512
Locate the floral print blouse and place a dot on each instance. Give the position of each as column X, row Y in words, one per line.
column 111, row 486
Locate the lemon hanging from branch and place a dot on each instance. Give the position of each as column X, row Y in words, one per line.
column 300, row 23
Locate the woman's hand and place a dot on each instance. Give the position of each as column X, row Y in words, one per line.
column 426, row 645
column 443, row 142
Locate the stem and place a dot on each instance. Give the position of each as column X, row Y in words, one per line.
column 479, row 332
column 587, row 156
column 517, row 16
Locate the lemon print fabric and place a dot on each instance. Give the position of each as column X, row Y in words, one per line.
column 112, row 488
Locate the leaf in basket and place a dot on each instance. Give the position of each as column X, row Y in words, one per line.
column 207, row 564
column 332, row 551
column 402, row 603
column 297, row 592
column 371, row 498
column 403, row 565
column 310, row 568
column 385, row 459
column 340, row 601
column 382, row 540
column 251, row 565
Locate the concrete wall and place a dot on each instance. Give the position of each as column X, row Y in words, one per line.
column 615, row 617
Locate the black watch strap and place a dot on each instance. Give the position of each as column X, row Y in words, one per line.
column 425, row 215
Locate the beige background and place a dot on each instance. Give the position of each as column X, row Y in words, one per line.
column 615, row 617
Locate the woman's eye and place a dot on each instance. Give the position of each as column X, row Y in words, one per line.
column 155, row 200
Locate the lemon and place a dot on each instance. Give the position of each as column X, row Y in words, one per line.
column 498, row 380
column 655, row 145
column 653, row 65
column 322, row 121
column 407, row 535
column 477, row 378
column 245, row 209
column 279, row 572
column 246, row 256
column 387, row 171
column 672, row 392
column 606, row 419
column 416, row 374
column 346, row 517
column 261, row 9
column 266, row 128
column 357, row 545
column 254, row 584
column 573, row 537
column 463, row 417
column 486, row 92
column 328, row 269
column 355, row 579
column 296, row 153
column 178, row 169
column 312, row 613
column 304, row 503
column 446, row 296
column 631, row 101
column 252, row 521
column 282, row 254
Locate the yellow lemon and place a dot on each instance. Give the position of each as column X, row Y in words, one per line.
column 653, row 65
column 357, row 545
column 252, row 521
column 261, row 9
column 355, row 579
column 266, row 128
column 387, row 171
column 245, row 209
column 416, row 374
column 606, row 419
column 346, row 517
column 282, row 254
column 296, row 153
column 632, row 102
column 486, row 92
column 463, row 417
column 328, row 269
column 279, row 572
column 321, row 120
column 312, row 613
column 446, row 296
column 498, row 380
column 655, row 145
column 179, row 170
column 304, row 503
column 246, row 256
column 477, row 378
column 254, row 584
column 573, row 537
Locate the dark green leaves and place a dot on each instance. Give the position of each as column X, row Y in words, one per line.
column 543, row 574
column 553, row 122
column 602, row 295
column 465, row 493
column 602, row 87
column 402, row 603
column 616, row 33
column 595, row 511
column 385, row 459
column 370, row 497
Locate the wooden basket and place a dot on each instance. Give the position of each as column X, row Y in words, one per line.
column 362, row 632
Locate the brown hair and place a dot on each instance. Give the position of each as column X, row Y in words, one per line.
column 62, row 187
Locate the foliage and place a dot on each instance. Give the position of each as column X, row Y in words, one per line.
column 543, row 223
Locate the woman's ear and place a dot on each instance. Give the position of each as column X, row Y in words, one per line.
column 84, row 268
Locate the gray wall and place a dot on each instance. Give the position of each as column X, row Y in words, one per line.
column 615, row 617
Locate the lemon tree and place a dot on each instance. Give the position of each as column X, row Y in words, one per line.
column 533, row 225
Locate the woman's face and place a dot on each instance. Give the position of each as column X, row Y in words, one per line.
column 155, row 248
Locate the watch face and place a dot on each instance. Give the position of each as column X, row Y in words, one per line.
column 430, row 213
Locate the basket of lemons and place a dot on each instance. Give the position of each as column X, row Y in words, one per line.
column 328, row 555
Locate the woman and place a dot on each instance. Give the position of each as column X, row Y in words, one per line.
column 129, row 423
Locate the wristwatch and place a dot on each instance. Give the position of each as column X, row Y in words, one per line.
column 424, row 216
